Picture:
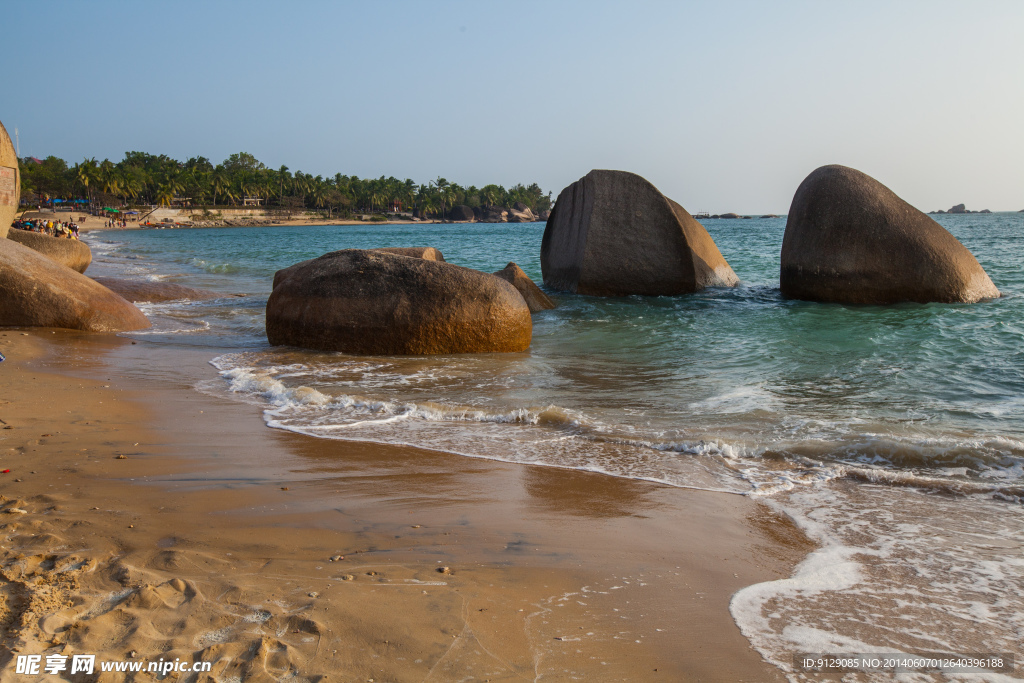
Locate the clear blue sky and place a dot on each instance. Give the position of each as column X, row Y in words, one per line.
column 725, row 106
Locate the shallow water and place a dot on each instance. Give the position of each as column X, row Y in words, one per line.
column 852, row 419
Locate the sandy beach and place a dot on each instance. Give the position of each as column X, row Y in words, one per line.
column 145, row 520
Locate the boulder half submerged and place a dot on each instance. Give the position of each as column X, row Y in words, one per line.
column 612, row 233
column 850, row 239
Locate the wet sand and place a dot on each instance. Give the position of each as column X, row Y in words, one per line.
column 212, row 539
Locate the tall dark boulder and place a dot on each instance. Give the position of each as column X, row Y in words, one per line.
column 10, row 182
column 850, row 239
column 74, row 254
column 370, row 302
column 461, row 213
column 612, row 233
column 38, row 292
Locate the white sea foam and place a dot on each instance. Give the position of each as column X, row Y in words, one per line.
column 908, row 573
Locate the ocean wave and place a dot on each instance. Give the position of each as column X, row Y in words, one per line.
column 163, row 329
column 247, row 380
column 952, row 465
column 214, row 268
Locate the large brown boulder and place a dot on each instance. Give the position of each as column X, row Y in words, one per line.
column 461, row 213
column 850, row 239
column 495, row 214
column 521, row 213
column 612, row 233
column 155, row 292
column 10, row 182
column 534, row 297
column 38, row 292
column 369, row 302
column 428, row 253
column 74, row 254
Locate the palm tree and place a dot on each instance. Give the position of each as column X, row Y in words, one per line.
column 282, row 175
column 128, row 185
column 85, row 173
column 218, row 183
column 164, row 194
column 318, row 192
column 108, row 177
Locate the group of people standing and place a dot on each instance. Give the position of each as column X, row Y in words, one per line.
column 53, row 228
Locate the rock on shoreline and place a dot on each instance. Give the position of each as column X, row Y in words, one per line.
column 234, row 223
column 74, row 254
column 535, row 298
column 10, row 182
column 39, row 292
column 376, row 303
column 138, row 291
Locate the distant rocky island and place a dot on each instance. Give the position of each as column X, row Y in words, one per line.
column 702, row 216
column 960, row 208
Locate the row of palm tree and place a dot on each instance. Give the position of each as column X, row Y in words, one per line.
column 142, row 178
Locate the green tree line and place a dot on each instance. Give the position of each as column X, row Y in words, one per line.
column 147, row 179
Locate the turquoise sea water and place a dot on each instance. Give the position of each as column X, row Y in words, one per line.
column 894, row 434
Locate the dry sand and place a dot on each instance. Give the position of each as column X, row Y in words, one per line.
column 86, row 222
column 212, row 540
column 96, row 223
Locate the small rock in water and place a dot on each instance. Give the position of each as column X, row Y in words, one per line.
column 16, row 511
column 314, row 594
column 348, row 577
column 444, row 570
column 371, row 573
column 122, row 457
column 337, row 558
